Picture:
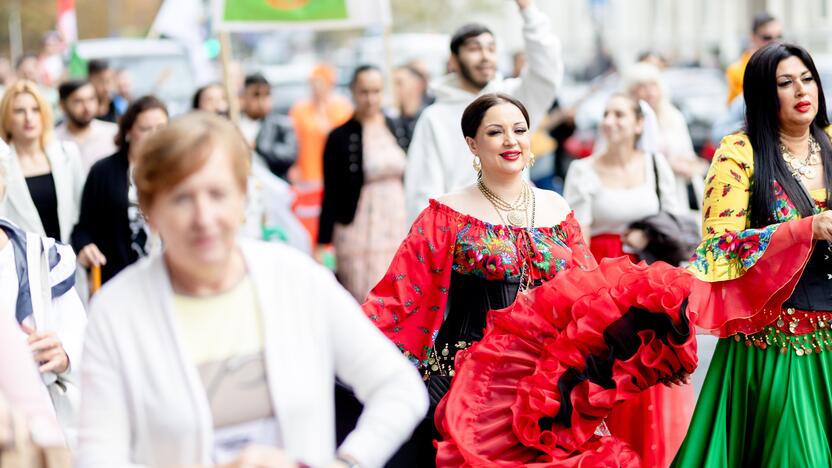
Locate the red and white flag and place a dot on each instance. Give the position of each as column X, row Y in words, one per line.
column 67, row 23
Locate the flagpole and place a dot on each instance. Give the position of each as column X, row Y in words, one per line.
column 231, row 93
column 15, row 33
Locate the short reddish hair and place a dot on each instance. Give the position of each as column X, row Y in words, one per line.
column 177, row 151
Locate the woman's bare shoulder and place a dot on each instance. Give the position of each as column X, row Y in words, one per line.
column 551, row 207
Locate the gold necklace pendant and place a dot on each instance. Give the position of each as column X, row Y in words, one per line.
column 516, row 218
column 803, row 167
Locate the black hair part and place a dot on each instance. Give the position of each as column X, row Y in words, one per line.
column 255, row 79
column 362, row 69
column 474, row 113
column 126, row 122
column 763, row 128
column 466, row 32
column 96, row 66
column 67, row 88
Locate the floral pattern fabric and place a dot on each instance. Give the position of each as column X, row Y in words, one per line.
column 730, row 247
column 746, row 274
column 408, row 305
column 495, row 252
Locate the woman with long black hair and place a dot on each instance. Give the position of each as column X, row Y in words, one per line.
column 765, row 266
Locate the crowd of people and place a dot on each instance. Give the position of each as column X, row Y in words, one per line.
column 168, row 295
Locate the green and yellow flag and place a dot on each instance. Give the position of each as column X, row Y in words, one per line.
column 251, row 15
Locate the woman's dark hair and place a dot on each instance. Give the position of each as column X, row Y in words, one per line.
column 198, row 94
column 473, row 114
column 361, row 69
column 126, row 122
column 762, row 125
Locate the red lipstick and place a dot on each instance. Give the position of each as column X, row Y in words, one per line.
column 510, row 155
column 803, row 106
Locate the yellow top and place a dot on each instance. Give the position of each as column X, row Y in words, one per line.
column 217, row 327
column 734, row 74
column 729, row 247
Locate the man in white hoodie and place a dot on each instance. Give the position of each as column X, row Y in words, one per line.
column 438, row 159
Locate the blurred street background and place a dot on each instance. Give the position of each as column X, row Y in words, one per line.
column 697, row 40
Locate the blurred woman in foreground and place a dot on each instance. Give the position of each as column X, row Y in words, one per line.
column 220, row 351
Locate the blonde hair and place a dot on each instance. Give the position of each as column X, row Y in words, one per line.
column 642, row 73
column 7, row 108
column 2, row 178
column 175, row 152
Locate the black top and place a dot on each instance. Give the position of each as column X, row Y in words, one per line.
column 111, row 115
column 103, row 219
column 42, row 191
column 814, row 288
column 277, row 144
column 404, row 125
column 470, row 299
column 343, row 176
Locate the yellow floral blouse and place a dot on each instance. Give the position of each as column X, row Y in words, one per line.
column 729, row 247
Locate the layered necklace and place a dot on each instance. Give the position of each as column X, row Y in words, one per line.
column 517, row 213
column 803, row 166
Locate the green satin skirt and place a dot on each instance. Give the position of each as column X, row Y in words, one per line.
column 761, row 408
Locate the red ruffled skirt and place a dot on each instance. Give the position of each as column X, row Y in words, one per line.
column 551, row 367
column 608, row 246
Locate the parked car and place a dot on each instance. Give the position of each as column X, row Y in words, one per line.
column 158, row 66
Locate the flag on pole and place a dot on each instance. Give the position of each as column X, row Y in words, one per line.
column 67, row 24
column 259, row 15
column 77, row 66
column 185, row 21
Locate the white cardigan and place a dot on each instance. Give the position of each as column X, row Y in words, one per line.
column 143, row 403
column 68, row 174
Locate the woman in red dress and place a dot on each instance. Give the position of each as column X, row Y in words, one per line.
column 474, row 251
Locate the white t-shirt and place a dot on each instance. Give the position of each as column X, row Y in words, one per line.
column 610, row 210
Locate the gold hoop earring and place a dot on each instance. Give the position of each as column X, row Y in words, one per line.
column 476, row 164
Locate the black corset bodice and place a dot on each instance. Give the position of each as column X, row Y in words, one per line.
column 814, row 288
column 470, row 299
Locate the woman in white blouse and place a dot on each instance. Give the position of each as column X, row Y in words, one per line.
column 224, row 352
column 617, row 186
column 45, row 177
column 608, row 191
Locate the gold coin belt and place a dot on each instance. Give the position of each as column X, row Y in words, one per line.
column 803, row 333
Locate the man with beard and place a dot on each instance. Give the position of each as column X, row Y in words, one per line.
column 438, row 158
column 94, row 137
column 103, row 79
